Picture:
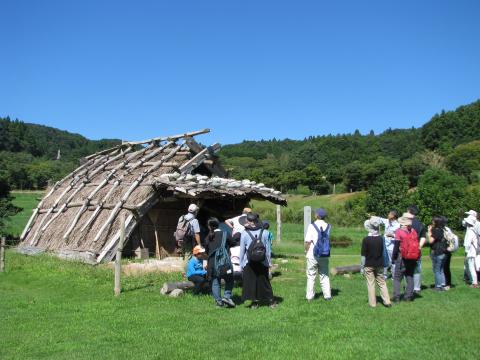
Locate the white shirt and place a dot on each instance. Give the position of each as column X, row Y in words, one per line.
column 470, row 243
column 237, row 228
column 312, row 236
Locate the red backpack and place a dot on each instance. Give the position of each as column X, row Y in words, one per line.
column 409, row 247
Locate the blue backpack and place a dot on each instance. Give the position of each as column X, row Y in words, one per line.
column 322, row 246
column 222, row 263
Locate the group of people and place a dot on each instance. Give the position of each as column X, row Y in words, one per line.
column 399, row 250
column 241, row 249
column 236, row 249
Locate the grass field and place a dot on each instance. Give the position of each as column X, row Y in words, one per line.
column 26, row 200
column 62, row 310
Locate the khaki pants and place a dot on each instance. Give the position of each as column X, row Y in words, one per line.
column 373, row 275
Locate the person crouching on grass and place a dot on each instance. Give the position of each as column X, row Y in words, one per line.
column 319, row 230
column 196, row 272
column 373, row 262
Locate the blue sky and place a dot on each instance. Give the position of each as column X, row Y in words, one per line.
column 245, row 69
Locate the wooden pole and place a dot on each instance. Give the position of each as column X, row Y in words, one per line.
column 2, row 255
column 118, row 258
column 279, row 223
column 307, row 219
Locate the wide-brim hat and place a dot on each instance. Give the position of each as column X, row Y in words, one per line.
column 470, row 220
column 408, row 215
column 372, row 224
column 471, row 213
column 405, row 221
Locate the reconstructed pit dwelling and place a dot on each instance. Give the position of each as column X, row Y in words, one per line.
column 148, row 183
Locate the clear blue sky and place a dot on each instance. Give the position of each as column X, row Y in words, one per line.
column 245, row 69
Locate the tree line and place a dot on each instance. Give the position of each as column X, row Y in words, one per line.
column 446, row 151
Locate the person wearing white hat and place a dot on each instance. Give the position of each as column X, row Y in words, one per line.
column 472, row 213
column 406, row 252
column 421, row 230
column 188, row 231
column 471, row 249
column 373, row 262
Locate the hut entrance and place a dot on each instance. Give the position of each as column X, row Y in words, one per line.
column 153, row 236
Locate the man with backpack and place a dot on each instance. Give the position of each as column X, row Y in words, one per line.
column 219, row 264
column 406, row 252
column 187, row 234
column 317, row 250
column 255, row 260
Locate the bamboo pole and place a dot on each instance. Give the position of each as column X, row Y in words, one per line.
column 307, row 219
column 118, row 181
column 2, row 254
column 75, row 179
column 169, row 138
column 130, row 190
column 118, row 258
column 279, row 223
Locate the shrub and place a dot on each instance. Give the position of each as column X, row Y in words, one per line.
column 387, row 192
column 439, row 192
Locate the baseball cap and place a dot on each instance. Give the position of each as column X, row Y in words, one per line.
column 321, row 212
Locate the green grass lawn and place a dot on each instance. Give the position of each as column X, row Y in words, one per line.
column 62, row 310
column 26, row 200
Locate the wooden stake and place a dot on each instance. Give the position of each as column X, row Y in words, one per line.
column 307, row 219
column 153, row 215
column 2, row 255
column 118, row 258
column 279, row 223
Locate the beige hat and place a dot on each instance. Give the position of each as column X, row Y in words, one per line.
column 408, row 215
column 192, row 208
column 405, row 221
column 198, row 250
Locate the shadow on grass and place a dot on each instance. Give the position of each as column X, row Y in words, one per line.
column 285, row 256
column 334, row 292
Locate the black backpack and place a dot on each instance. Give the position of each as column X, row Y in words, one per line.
column 257, row 251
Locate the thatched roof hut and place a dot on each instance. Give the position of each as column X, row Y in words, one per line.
column 149, row 183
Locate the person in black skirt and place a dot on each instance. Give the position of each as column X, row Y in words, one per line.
column 255, row 260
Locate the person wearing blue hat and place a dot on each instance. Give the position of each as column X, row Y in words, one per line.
column 317, row 252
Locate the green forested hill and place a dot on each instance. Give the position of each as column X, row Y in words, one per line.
column 28, row 153
column 355, row 160
column 351, row 161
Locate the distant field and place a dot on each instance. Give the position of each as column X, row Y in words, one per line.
column 27, row 200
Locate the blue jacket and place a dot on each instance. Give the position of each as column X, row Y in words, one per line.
column 195, row 267
column 246, row 240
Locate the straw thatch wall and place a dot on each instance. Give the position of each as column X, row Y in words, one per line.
column 80, row 215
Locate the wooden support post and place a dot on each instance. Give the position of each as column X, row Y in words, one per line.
column 2, row 255
column 118, row 258
column 153, row 215
column 279, row 223
column 307, row 219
